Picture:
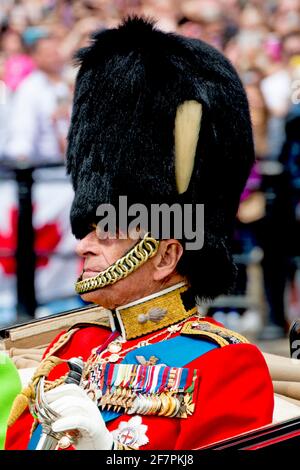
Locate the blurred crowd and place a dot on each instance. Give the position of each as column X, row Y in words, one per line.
column 38, row 39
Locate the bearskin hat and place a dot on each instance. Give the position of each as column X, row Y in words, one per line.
column 131, row 84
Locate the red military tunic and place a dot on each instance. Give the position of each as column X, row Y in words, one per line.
column 235, row 395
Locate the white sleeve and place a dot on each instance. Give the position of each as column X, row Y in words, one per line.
column 276, row 92
column 23, row 124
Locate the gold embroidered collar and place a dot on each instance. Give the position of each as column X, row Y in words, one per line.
column 152, row 313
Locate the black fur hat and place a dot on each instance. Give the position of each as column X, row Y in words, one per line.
column 131, row 83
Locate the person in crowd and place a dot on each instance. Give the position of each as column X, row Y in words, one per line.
column 35, row 130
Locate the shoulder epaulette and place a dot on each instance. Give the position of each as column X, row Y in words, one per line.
column 218, row 334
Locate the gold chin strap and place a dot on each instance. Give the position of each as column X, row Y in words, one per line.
column 124, row 266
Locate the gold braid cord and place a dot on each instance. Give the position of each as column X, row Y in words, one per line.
column 124, row 266
column 27, row 395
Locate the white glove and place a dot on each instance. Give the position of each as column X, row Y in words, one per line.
column 79, row 412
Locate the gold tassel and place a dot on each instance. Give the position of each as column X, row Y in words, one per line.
column 28, row 393
column 20, row 404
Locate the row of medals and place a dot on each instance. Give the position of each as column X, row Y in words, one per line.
column 171, row 404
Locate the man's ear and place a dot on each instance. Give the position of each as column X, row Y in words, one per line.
column 166, row 259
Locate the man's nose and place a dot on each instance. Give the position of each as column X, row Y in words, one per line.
column 87, row 245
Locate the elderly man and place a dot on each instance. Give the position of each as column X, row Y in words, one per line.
column 157, row 118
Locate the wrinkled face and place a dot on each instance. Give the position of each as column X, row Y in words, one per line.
column 98, row 255
column 157, row 273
